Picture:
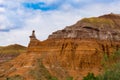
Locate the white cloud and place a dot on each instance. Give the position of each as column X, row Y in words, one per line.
column 1, row 1
column 97, row 9
column 14, row 37
column 2, row 10
column 15, row 15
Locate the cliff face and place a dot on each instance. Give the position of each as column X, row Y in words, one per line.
column 73, row 51
column 75, row 56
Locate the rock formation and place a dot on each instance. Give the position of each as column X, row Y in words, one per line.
column 73, row 51
column 106, row 27
column 33, row 37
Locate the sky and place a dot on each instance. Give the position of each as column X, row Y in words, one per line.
column 19, row 17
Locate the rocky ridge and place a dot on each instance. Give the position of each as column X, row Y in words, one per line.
column 106, row 27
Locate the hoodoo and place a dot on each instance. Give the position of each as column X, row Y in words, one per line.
column 33, row 37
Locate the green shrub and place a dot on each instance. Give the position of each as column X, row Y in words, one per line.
column 116, row 55
column 90, row 76
column 53, row 78
column 69, row 78
column 111, row 66
column 107, row 61
column 111, row 74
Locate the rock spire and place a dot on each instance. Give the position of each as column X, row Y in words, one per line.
column 33, row 37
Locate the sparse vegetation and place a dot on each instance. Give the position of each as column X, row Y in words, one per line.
column 111, row 74
column 69, row 78
column 115, row 56
column 97, row 20
column 90, row 76
column 111, row 59
column 9, row 52
column 112, row 68
column 41, row 73
column 12, row 49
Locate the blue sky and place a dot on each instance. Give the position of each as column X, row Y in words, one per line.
column 43, row 6
column 19, row 17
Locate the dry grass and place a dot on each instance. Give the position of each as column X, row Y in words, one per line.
column 12, row 49
column 99, row 21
